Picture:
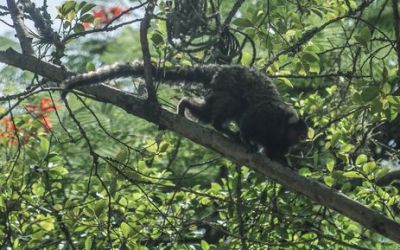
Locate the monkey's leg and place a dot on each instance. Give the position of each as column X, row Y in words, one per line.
column 225, row 108
column 255, row 128
column 218, row 124
column 200, row 111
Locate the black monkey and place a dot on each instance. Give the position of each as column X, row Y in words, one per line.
column 250, row 99
column 236, row 93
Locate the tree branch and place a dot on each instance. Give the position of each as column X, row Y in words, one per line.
column 370, row 219
column 17, row 17
column 396, row 24
column 144, row 26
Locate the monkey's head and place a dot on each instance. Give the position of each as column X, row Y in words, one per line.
column 297, row 131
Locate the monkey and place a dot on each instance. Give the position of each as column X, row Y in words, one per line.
column 236, row 93
column 250, row 99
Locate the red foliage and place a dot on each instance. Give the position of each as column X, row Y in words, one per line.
column 46, row 106
column 104, row 15
column 116, row 11
column 8, row 129
column 7, row 126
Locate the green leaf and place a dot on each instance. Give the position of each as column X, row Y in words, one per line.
column 395, row 100
column 16, row 244
column 310, row 133
column 87, row 18
column 66, row 24
column 392, row 113
column 88, row 243
column 58, row 171
column 81, row 5
column 90, row 66
column 243, row 22
column 314, row 67
column 370, row 166
column 87, row 7
column 363, row 37
column 329, row 181
column 71, row 15
column 386, row 88
column 312, row 48
column 205, row 200
column 215, row 187
column 38, row 189
column 369, row 94
column 46, row 222
column 204, row 245
column 347, row 148
column 44, row 144
column 353, row 175
column 246, row 58
column 163, row 147
column 361, row 159
column 126, row 230
column 100, row 207
column 310, row 57
column 330, row 164
column 285, row 81
column 67, row 7
column 79, row 28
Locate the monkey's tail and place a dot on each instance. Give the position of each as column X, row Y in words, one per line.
column 199, row 73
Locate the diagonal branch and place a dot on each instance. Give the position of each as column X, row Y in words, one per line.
column 370, row 219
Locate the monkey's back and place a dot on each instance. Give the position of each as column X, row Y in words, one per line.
column 249, row 84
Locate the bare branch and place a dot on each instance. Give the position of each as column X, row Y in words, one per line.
column 144, row 26
column 232, row 13
column 17, row 16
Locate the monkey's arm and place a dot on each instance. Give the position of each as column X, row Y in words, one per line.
column 200, row 73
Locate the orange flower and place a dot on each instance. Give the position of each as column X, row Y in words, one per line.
column 8, row 125
column 46, row 121
column 46, row 105
column 5, row 134
column 8, row 128
column 5, row 121
column 32, row 107
column 101, row 14
column 116, row 11
column 86, row 25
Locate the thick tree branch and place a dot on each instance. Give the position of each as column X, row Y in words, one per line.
column 17, row 17
column 314, row 190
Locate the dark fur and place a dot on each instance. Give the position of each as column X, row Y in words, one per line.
column 250, row 99
column 239, row 94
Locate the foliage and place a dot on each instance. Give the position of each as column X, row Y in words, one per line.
column 97, row 178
